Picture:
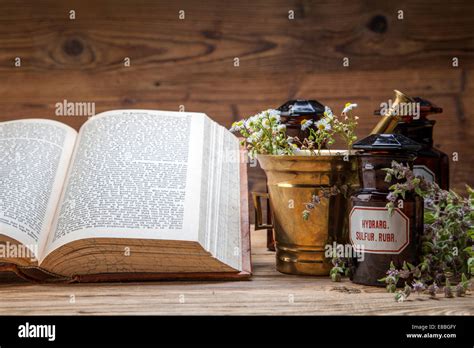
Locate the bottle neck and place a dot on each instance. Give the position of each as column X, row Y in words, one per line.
column 420, row 131
column 371, row 165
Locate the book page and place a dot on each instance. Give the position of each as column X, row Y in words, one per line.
column 134, row 174
column 34, row 157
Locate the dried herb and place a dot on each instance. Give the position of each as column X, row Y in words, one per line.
column 323, row 193
column 341, row 267
column 447, row 253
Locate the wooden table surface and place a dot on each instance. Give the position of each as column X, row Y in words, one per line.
column 268, row 293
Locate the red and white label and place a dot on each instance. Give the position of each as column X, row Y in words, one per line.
column 373, row 230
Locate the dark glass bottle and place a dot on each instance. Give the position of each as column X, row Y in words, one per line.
column 430, row 163
column 295, row 111
column 381, row 238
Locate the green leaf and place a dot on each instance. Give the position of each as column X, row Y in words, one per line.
column 419, row 192
column 470, row 265
column 429, row 217
column 469, row 250
column 405, row 266
column 427, row 247
column 470, row 233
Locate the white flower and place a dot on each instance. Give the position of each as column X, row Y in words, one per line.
column 328, row 112
column 281, row 127
column 322, row 124
column 237, row 126
column 250, row 123
column 273, row 114
column 266, row 123
column 348, row 107
column 305, row 124
column 255, row 137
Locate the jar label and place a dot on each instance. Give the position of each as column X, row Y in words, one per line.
column 424, row 172
column 373, row 230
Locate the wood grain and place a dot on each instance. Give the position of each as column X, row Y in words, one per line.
column 268, row 293
column 190, row 62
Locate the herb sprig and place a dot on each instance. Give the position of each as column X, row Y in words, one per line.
column 447, row 252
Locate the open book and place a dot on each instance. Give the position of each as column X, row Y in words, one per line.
column 135, row 195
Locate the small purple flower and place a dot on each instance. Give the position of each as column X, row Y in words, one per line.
column 460, row 290
column 448, row 292
column 418, row 286
column 433, row 289
column 326, row 194
column 334, row 190
column 316, row 199
column 392, row 272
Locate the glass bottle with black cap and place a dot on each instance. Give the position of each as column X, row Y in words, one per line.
column 430, row 163
column 377, row 236
column 293, row 112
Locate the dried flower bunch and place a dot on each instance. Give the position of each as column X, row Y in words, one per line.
column 447, row 254
column 264, row 134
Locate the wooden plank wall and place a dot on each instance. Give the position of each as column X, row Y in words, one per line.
column 190, row 62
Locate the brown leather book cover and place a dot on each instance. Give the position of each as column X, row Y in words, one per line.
column 37, row 274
